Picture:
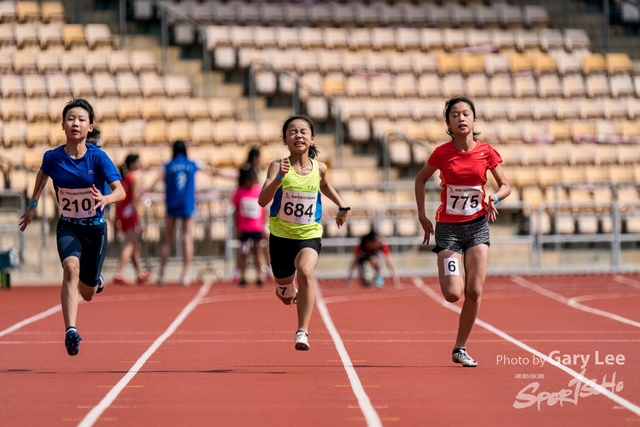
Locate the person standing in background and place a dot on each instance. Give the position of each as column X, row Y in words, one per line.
column 128, row 218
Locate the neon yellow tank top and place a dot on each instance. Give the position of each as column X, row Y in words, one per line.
column 297, row 206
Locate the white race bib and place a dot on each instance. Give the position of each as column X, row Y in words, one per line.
column 297, row 207
column 76, row 202
column 464, row 199
column 249, row 208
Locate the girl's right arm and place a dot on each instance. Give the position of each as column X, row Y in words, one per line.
column 38, row 188
column 272, row 182
column 421, row 180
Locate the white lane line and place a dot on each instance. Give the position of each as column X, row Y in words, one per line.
column 590, row 383
column 369, row 412
column 627, row 281
column 571, row 302
column 602, row 296
column 30, row 320
column 95, row 413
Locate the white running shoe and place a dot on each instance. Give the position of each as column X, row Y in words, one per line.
column 302, row 341
column 460, row 355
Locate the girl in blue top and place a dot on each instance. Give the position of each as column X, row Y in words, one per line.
column 78, row 171
column 180, row 190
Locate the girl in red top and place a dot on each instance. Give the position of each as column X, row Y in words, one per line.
column 128, row 220
column 461, row 220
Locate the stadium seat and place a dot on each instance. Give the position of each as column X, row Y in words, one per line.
column 524, row 86
column 155, row 132
column 408, row 39
column 34, row 85
column 500, row 86
column 510, row 16
column 126, row 108
column 200, row 132
column 37, row 109
column 11, row 85
column 52, row 11
column 128, row 84
column 550, row 39
column 28, row 11
column 37, row 134
column 383, row 39
column 495, row 63
column 477, row 86
column 80, row 84
column 98, row 35
column 573, row 86
column 621, row 85
column 73, row 34
column 96, row 61
column 177, row 130
column 25, row 60
column 48, row 61
column 49, row 35
column 310, row 38
column 453, row 39
column 8, row 11
column 575, row 39
column 535, row 16
column 72, row 61
column 132, row 132
column 597, row 85
column 549, row 86
column 153, row 108
column 471, row 64
column 593, row 63
column 104, row 84
column 559, row 130
column 151, row 85
column 431, row 39
column 26, row 35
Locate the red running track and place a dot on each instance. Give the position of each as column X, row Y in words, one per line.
column 224, row 356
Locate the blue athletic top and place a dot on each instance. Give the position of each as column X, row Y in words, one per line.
column 180, row 186
column 73, row 178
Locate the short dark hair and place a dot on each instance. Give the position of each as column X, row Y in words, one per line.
column 179, row 147
column 313, row 150
column 246, row 174
column 95, row 133
column 80, row 103
column 253, row 153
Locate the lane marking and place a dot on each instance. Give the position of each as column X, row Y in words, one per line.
column 627, row 281
column 571, row 302
column 369, row 412
column 603, row 296
column 595, row 386
column 94, row 415
column 30, row 320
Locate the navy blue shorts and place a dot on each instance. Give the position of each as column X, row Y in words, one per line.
column 86, row 242
column 283, row 254
column 256, row 236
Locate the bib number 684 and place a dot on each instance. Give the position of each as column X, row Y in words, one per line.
column 298, row 210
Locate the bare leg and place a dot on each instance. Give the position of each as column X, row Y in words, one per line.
column 169, row 228
column 475, row 265
column 257, row 260
column 305, row 263
column 69, row 291
column 127, row 252
column 241, row 262
column 187, row 248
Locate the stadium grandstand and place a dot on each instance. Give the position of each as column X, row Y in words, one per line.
column 556, row 87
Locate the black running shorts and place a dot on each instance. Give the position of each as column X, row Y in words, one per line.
column 283, row 253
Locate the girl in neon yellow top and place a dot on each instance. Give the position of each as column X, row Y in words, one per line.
column 296, row 185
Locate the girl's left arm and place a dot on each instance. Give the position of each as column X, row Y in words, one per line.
column 504, row 189
column 331, row 193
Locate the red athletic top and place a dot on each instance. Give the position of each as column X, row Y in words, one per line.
column 462, row 178
column 384, row 248
column 124, row 209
